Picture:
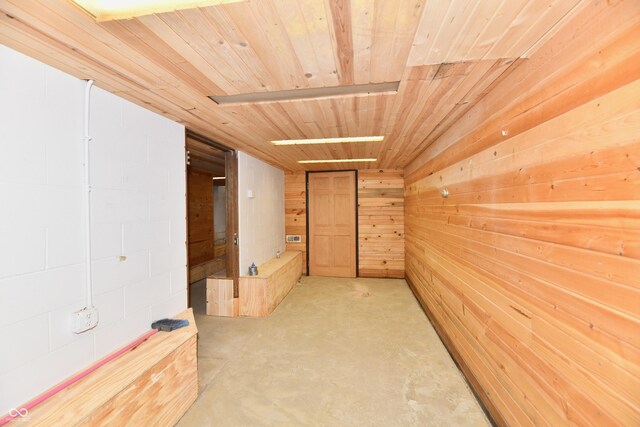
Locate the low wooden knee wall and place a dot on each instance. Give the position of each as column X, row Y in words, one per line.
column 153, row 384
column 260, row 295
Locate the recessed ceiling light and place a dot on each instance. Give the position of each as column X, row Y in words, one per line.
column 390, row 88
column 105, row 10
column 328, row 140
column 217, row 178
column 337, row 161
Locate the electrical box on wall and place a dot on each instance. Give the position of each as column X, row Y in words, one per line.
column 293, row 238
column 83, row 320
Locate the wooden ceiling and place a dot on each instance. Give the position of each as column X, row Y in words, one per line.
column 446, row 54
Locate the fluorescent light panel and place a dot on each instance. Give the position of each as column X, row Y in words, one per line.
column 308, row 93
column 337, row 161
column 106, row 10
column 328, row 140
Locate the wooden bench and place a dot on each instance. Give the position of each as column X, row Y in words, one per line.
column 260, row 295
column 152, row 384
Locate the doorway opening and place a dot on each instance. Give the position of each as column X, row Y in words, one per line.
column 212, row 219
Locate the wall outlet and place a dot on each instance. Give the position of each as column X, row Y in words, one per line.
column 85, row 319
column 293, row 238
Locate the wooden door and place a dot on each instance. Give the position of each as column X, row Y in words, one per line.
column 332, row 224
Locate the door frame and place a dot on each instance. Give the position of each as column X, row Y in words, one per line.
column 306, row 191
column 231, row 199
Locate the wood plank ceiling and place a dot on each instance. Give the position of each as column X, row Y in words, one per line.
column 447, row 54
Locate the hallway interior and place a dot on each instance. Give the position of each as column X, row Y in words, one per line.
column 336, row 352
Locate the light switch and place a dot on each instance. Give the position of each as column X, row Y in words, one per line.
column 250, row 194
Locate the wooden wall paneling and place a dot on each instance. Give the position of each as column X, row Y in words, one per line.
column 529, row 269
column 482, row 284
column 479, row 357
column 611, row 319
column 295, row 210
column 561, row 76
column 478, row 374
column 380, row 220
column 551, row 164
column 498, row 71
column 433, row 93
column 381, row 223
column 562, row 251
column 200, row 211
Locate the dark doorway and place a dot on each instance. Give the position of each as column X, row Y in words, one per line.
column 212, row 223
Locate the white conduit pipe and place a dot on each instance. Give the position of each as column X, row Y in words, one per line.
column 87, row 211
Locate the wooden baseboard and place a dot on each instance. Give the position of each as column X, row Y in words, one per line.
column 485, row 401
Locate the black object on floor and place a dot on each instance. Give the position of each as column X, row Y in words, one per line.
column 168, row 325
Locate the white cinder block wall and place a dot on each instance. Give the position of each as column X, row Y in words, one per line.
column 261, row 218
column 138, row 212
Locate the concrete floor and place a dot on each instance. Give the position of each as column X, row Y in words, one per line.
column 336, row 352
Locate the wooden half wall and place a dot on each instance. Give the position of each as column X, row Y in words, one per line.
column 380, row 220
column 530, row 268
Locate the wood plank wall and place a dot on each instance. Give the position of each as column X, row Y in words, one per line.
column 380, row 220
column 200, row 211
column 381, row 223
column 530, row 269
column 295, row 212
